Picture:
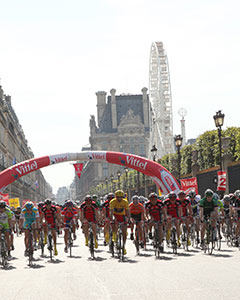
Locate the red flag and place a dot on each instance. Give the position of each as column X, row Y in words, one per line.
column 4, row 197
column 78, row 168
column 189, row 184
column 221, row 181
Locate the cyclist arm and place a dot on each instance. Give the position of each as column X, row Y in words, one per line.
column 128, row 213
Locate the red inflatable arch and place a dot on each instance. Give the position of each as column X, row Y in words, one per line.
column 161, row 176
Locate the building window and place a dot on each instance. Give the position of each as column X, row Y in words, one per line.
column 142, row 151
column 105, row 170
column 132, row 149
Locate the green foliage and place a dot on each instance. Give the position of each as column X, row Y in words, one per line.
column 207, row 146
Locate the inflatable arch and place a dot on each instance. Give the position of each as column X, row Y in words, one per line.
column 161, row 176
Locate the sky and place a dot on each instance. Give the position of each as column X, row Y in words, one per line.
column 55, row 56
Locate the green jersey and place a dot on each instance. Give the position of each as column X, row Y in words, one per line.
column 208, row 206
column 4, row 217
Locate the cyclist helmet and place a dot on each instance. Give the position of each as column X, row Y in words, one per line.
column 2, row 204
column 110, row 196
column 152, row 195
column 135, row 198
column 208, row 193
column 88, row 198
column 19, row 208
column 172, row 195
column 192, row 194
column 48, row 201
column 29, row 205
column 226, row 198
column 237, row 193
column 94, row 197
column 181, row 192
column 40, row 204
column 69, row 203
column 119, row 193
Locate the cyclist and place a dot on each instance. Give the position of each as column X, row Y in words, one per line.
column 156, row 212
column 236, row 207
column 194, row 201
column 174, row 211
column 119, row 210
column 227, row 208
column 186, row 212
column 70, row 215
column 106, row 214
column 89, row 214
column 29, row 218
column 6, row 224
column 17, row 213
column 137, row 216
column 208, row 208
column 50, row 216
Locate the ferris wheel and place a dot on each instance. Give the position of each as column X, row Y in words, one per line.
column 160, row 97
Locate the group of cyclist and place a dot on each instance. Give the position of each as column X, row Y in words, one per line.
column 141, row 213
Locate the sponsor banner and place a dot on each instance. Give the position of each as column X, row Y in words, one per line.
column 78, row 168
column 221, row 186
column 59, row 158
column 4, row 196
column 97, row 156
column 189, row 184
column 14, row 202
column 163, row 179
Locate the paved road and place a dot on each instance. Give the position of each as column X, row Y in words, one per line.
column 188, row 275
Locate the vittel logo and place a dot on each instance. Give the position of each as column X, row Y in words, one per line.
column 98, row 156
column 189, row 183
column 26, row 168
column 136, row 162
column 60, row 159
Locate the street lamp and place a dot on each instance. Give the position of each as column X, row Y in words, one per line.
column 106, row 180
column 219, row 119
column 112, row 177
column 178, row 142
column 154, row 152
column 119, row 175
column 126, row 172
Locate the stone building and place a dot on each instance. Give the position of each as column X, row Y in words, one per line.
column 123, row 125
column 14, row 148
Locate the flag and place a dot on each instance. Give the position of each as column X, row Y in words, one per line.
column 36, row 184
column 78, row 168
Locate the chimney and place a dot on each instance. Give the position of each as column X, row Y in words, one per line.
column 145, row 107
column 101, row 105
column 113, row 108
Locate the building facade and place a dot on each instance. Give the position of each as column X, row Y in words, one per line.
column 14, row 148
column 123, row 125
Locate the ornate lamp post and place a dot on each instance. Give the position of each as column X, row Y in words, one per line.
column 126, row 172
column 119, row 175
column 178, row 142
column 154, row 152
column 219, row 119
column 112, row 177
column 106, row 180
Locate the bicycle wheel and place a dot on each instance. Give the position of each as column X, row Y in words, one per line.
column 50, row 247
column 41, row 243
column 3, row 253
column 219, row 237
column 70, row 243
column 212, row 242
column 156, row 242
column 91, row 244
column 30, row 249
column 174, row 240
column 111, row 244
column 136, row 241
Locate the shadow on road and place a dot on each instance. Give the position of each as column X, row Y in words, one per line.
column 221, row 255
column 145, row 255
column 55, row 261
column 161, row 257
column 131, row 261
column 194, row 250
column 184, row 254
column 74, row 256
column 8, row 268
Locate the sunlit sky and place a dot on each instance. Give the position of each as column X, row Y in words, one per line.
column 55, row 55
